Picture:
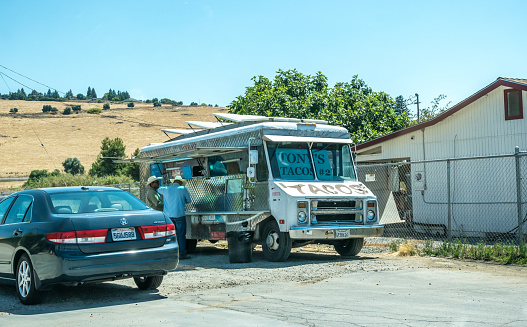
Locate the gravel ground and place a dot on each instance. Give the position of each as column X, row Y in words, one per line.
column 209, row 268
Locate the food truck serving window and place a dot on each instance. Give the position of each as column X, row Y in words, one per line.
column 290, row 160
column 333, row 161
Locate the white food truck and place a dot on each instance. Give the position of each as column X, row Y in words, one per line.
column 278, row 182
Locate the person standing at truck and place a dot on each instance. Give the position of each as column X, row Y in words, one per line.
column 175, row 197
column 153, row 199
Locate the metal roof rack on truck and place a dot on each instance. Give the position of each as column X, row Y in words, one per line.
column 252, row 118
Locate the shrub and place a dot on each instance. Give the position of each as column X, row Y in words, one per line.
column 13, row 110
column 94, row 111
column 57, row 180
column 193, row 104
column 73, row 166
column 46, row 108
column 157, row 104
column 130, row 105
column 76, row 108
column 53, row 110
column 106, row 106
column 67, row 111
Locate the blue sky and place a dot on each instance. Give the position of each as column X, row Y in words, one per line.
column 208, row 51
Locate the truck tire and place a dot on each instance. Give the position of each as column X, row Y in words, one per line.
column 350, row 247
column 276, row 245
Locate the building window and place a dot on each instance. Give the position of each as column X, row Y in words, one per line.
column 513, row 104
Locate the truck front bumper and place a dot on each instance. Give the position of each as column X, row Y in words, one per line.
column 335, row 232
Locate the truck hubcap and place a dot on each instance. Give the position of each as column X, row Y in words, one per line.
column 272, row 241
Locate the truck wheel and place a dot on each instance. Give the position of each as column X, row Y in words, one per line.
column 350, row 247
column 149, row 282
column 25, row 282
column 276, row 245
column 191, row 245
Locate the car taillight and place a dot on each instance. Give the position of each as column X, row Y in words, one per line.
column 157, row 231
column 92, row 236
column 171, row 230
column 79, row 237
column 62, row 237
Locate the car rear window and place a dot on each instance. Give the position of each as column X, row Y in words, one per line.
column 95, row 201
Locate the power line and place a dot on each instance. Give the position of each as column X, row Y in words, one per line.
column 38, row 137
column 49, row 87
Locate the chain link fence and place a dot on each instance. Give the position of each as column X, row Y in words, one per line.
column 476, row 200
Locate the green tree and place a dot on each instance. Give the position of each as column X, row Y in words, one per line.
column 110, row 150
column 132, row 169
column 401, row 106
column 88, row 93
column 93, row 93
column 366, row 114
column 81, row 96
column 73, row 166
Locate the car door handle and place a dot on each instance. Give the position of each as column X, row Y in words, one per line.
column 17, row 232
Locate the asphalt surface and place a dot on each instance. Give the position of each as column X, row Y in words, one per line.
column 313, row 288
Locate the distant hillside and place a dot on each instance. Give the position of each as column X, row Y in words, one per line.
column 79, row 135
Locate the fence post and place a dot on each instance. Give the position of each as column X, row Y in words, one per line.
column 518, row 194
column 449, row 202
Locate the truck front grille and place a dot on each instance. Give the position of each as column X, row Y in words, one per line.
column 336, row 211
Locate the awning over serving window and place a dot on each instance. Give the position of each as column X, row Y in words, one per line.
column 285, row 138
column 200, row 152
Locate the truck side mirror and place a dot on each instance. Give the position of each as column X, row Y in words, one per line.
column 253, row 157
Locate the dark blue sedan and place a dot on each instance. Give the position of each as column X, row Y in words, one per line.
column 77, row 235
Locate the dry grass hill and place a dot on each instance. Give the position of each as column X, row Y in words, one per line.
column 80, row 135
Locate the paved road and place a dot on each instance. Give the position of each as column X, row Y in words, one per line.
column 410, row 292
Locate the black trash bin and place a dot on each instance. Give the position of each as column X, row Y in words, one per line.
column 240, row 246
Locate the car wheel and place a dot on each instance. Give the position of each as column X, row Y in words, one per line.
column 276, row 245
column 350, row 247
column 191, row 245
column 149, row 282
column 25, row 282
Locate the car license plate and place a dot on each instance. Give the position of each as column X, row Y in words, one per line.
column 123, row 234
column 342, row 233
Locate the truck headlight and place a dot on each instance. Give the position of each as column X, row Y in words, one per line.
column 302, row 217
column 370, row 215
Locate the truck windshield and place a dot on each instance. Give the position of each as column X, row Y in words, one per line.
column 292, row 161
column 333, row 161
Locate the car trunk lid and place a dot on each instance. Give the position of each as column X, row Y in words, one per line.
column 119, row 231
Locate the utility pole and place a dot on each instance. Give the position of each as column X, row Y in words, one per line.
column 417, row 102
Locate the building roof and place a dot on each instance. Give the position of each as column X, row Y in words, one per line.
column 516, row 83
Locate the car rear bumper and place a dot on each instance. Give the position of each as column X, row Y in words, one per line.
column 68, row 267
column 335, row 232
